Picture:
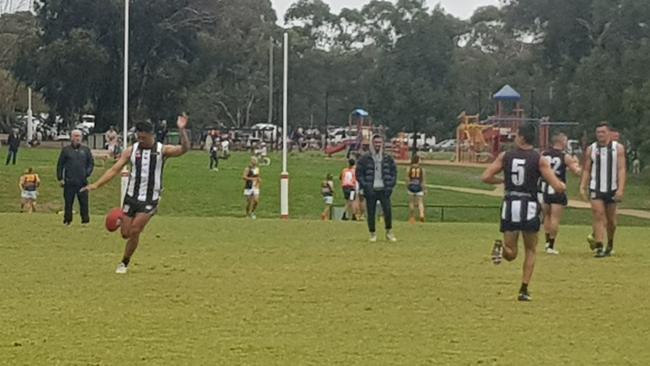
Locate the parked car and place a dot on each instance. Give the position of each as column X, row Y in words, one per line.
column 446, row 145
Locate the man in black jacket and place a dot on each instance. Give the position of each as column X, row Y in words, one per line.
column 377, row 176
column 75, row 166
column 14, row 143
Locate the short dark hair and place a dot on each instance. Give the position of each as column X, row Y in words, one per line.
column 558, row 137
column 603, row 124
column 415, row 159
column 144, row 126
column 527, row 132
column 351, row 162
column 377, row 137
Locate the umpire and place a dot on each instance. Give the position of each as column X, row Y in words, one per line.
column 75, row 166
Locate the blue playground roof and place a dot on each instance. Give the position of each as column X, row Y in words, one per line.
column 360, row 112
column 507, row 93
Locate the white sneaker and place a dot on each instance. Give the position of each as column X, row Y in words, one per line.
column 551, row 250
column 253, row 216
column 391, row 237
column 121, row 269
column 373, row 237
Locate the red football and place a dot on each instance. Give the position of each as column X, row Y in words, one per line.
column 113, row 219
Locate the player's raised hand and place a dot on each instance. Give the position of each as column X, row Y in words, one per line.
column 182, row 121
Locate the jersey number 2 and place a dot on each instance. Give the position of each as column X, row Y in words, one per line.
column 518, row 171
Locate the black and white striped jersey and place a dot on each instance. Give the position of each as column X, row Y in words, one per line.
column 145, row 181
column 604, row 167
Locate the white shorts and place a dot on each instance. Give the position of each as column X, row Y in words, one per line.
column 253, row 192
column 329, row 200
column 416, row 194
column 29, row 195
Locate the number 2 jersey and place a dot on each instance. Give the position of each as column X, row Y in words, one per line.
column 520, row 209
column 556, row 159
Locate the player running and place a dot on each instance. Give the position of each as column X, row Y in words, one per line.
column 606, row 172
column 521, row 169
column 147, row 158
column 553, row 203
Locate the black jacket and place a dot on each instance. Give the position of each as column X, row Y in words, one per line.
column 75, row 165
column 13, row 141
column 366, row 172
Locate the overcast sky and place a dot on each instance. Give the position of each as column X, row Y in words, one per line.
column 460, row 8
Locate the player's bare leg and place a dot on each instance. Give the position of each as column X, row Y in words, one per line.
column 421, row 207
column 254, row 201
column 510, row 249
column 546, row 212
column 412, row 199
column 599, row 224
column 610, row 213
column 131, row 228
column 249, row 205
column 530, row 247
column 553, row 227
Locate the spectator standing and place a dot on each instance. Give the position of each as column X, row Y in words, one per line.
column 14, row 143
column 75, row 165
column 377, row 176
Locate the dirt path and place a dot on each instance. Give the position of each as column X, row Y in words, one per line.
column 498, row 192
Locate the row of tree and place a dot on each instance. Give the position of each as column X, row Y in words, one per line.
column 413, row 67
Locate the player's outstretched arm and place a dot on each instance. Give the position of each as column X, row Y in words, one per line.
column 112, row 172
column 572, row 164
column 490, row 174
column 622, row 173
column 586, row 173
column 549, row 176
column 172, row 151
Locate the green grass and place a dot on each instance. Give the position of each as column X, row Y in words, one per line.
column 192, row 190
column 223, row 291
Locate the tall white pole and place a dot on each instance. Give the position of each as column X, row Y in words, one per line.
column 125, row 115
column 30, row 116
column 284, row 178
column 270, row 119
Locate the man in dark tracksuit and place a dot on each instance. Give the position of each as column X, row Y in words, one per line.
column 14, row 143
column 377, row 175
column 75, row 166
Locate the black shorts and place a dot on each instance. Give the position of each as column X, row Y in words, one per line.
column 349, row 194
column 556, row 199
column 520, row 214
column 607, row 198
column 133, row 207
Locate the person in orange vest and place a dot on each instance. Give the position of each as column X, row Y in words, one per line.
column 28, row 184
column 349, row 184
column 416, row 189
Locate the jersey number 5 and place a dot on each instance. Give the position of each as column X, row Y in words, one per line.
column 518, row 172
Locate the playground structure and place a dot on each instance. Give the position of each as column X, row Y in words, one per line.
column 482, row 141
column 401, row 146
column 360, row 132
